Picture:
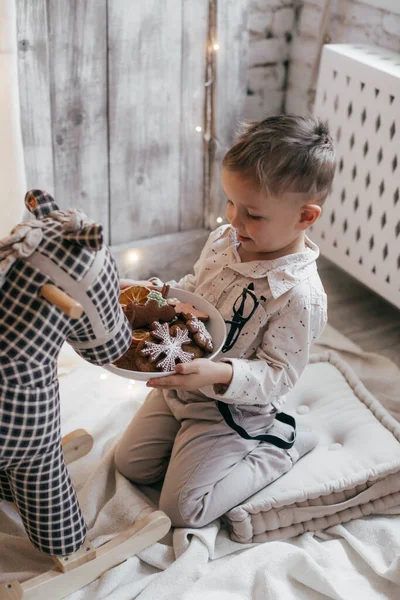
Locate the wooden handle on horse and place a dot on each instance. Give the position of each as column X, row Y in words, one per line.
column 60, row 299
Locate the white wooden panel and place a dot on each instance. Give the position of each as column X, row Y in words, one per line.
column 78, row 58
column 230, row 90
column 34, row 86
column 12, row 174
column 194, row 40
column 389, row 5
column 111, row 96
column 359, row 94
column 145, row 53
column 169, row 256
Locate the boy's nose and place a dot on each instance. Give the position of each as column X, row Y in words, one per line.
column 235, row 222
column 233, row 218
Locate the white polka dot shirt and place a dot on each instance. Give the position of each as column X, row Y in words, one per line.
column 289, row 314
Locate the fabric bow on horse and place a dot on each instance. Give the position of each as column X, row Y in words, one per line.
column 21, row 243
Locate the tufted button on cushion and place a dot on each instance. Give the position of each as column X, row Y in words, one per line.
column 303, row 409
column 335, row 446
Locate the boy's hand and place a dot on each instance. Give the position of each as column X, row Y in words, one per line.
column 195, row 375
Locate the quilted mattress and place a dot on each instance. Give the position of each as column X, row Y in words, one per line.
column 354, row 471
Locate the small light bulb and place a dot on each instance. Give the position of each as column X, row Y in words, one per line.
column 103, row 376
column 132, row 256
column 219, row 220
column 198, row 128
column 216, row 46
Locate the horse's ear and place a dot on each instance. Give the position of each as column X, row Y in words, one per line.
column 40, row 203
column 90, row 236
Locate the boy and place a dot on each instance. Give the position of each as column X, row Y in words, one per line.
column 215, row 431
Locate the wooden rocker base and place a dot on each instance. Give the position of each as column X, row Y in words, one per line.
column 76, row 444
column 74, row 571
column 56, row 584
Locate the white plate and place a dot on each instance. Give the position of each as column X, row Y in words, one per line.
column 215, row 325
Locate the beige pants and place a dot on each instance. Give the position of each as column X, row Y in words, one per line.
column 207, row 467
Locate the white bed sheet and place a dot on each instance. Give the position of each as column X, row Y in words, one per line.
column 359, row 559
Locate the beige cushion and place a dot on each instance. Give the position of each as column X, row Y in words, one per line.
column 354, row 470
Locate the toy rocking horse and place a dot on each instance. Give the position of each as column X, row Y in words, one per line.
column 58, row 283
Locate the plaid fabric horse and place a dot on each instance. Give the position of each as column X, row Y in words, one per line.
column 65, row 249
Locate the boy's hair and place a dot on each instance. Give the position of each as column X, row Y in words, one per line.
column 286, row 153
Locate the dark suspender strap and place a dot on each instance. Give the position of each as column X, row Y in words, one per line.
column 271, row 439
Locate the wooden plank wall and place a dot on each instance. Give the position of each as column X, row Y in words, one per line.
column 78, row 74
column 230, row 91
column 145, row 111
column 111, row 102
column 34, row 89
column 194, row 28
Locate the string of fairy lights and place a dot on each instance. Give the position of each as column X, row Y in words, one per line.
column 133, row 255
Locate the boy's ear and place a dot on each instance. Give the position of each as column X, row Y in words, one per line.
column 309, row 213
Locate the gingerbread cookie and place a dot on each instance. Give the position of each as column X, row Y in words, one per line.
column 179, row 323
column 168, row 348
column 144, row 315
column 158, row 297
column 186, row 307
column 143, row 363
column 200, row 334
column 128, row 360
column 194, row 349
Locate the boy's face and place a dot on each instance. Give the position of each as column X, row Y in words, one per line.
column 264, row 224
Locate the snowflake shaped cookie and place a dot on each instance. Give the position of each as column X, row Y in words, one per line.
column 169, row 346
column 200, row 333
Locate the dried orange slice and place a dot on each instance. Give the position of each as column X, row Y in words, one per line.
column 138, row 335
column 134, row 293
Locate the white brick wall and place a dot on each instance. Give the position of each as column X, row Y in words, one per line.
column 284, row 47
column 391, row 25
column 351, row 21
column 271, row 25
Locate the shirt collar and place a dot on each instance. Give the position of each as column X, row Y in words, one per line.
column 282, row 273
